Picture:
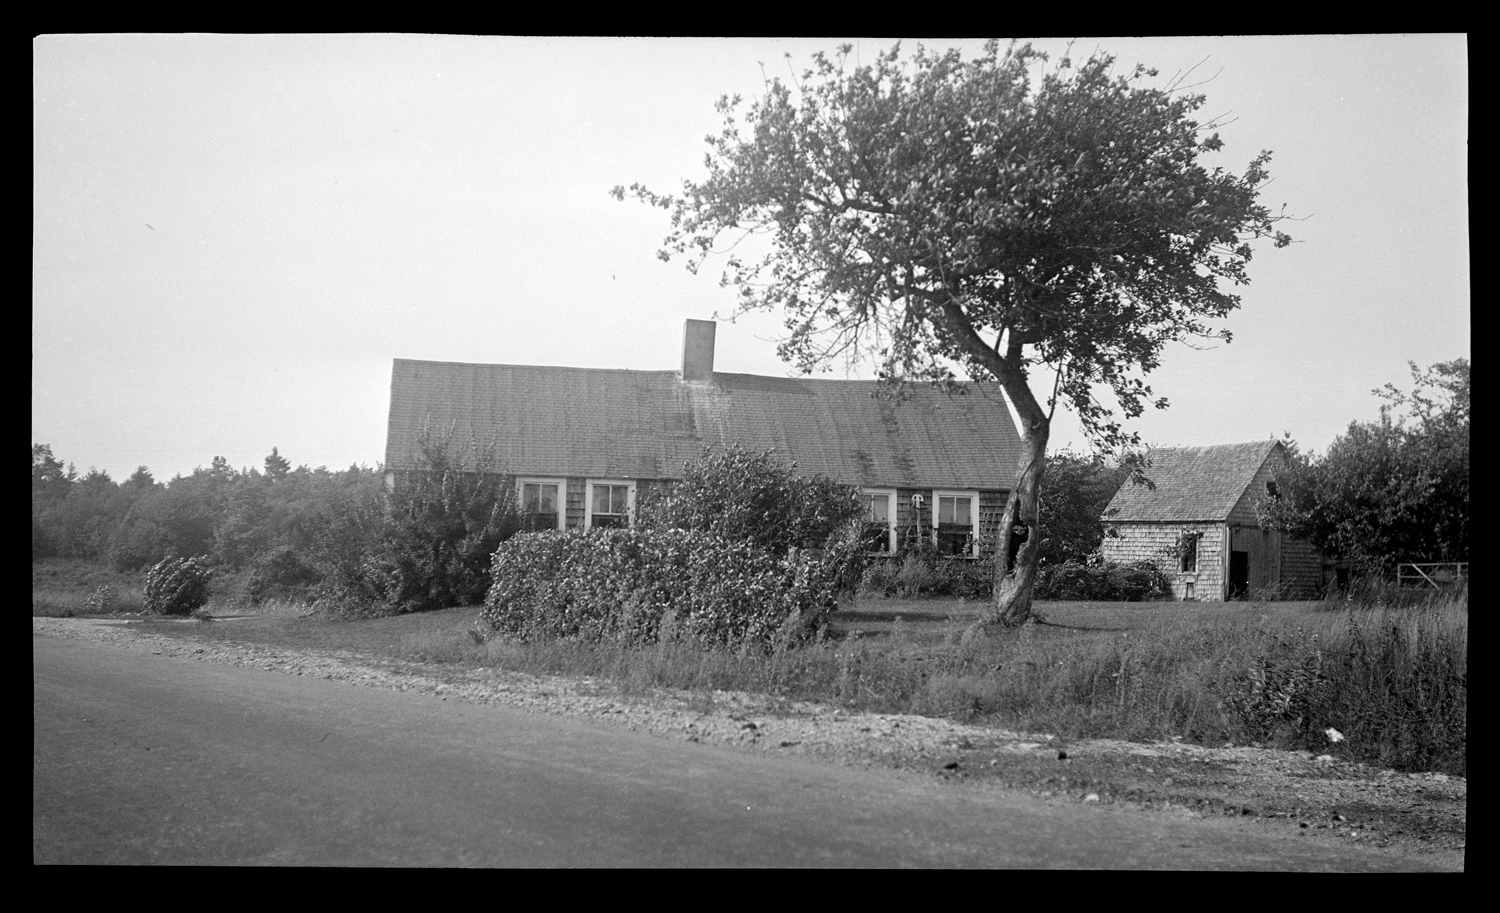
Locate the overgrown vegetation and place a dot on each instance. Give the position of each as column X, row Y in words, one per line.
column 1138, row 581
column 919, row 573
column 637, row 586
column 742, row 552
column 426, row 545
column 1391, row 685
column 295, row 535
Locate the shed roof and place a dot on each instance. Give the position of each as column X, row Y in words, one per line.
column 1192, row 483
column 603, row 423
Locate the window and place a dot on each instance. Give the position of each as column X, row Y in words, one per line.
column 542, row 505
column 611, row 504
column 1272, row 490
column 955, row 523
column 1189, row 553
column 880, row 520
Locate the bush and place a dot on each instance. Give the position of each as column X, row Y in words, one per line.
column 446, row 518
column 921, row 573
column 1137, row 582
column 425, row 545
column 640, row 585
column 103, row 600
column 1275, row 697
column 755, row 498
column 177, row 586
column 280, row 573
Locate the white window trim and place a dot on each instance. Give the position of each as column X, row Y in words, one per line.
column 890, row 513
column 973, row 496
column 562, row 496
column 588, row 501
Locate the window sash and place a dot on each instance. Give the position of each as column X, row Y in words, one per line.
column 955, row 526
column 611, row 503
column 543, row 502
column 879, row 520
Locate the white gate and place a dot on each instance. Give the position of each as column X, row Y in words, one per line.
column 1438, row 575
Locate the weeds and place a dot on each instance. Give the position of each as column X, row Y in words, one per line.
column 1393, row 683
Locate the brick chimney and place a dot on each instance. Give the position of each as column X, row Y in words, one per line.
column 698, row 351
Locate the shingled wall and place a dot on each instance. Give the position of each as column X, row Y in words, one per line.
column 1158, row 543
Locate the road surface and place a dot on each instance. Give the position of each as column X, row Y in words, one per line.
column 151, row 759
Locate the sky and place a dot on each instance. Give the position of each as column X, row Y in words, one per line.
column 233, row 236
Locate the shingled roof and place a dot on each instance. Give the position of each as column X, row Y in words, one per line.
column 1192, row 483
column 616, row 424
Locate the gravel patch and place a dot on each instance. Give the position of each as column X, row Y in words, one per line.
column 723, row 717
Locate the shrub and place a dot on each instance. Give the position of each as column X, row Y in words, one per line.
column 280, row 573
column 177, row 586
column 923, row 574
column 1136, row 582
column 630, row 584
column 446, row 518
column 1276, row 694
column 881, row 578
column 103, row 600
column 755, row 498
column 425, row 545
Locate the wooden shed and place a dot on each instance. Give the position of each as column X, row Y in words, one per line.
column 580, row 443
column 1198, row 525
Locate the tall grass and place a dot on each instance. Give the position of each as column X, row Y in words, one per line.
column 1395, row 684
column 1391, row 683
column 65, row 587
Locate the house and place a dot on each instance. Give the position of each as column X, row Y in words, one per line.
column 1198, row 525
column 582, row 444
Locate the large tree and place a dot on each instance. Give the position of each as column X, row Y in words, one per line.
column 983, row 218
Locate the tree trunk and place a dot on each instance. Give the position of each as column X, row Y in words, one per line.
column 1014, row 582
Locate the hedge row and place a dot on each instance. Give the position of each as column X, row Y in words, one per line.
column 626, row 584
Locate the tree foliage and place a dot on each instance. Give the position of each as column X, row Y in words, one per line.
column 1075, row 491
column 983, row 216
column 1389, row 491
column 446, row 519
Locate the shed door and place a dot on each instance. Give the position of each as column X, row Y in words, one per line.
column 1239, row 574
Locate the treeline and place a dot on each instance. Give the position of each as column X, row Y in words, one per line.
column 338, row 537
column 237, row 517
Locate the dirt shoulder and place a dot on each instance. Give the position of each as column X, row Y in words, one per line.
column 1421, row 816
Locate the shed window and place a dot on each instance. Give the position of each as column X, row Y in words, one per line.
column 1190, row 553
column 879, row 520
column 542, row 503
column 611, row 504
column 955, row 523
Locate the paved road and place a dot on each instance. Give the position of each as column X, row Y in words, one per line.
column 153, row 759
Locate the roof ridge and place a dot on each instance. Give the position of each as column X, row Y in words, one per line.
column 671, row 372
